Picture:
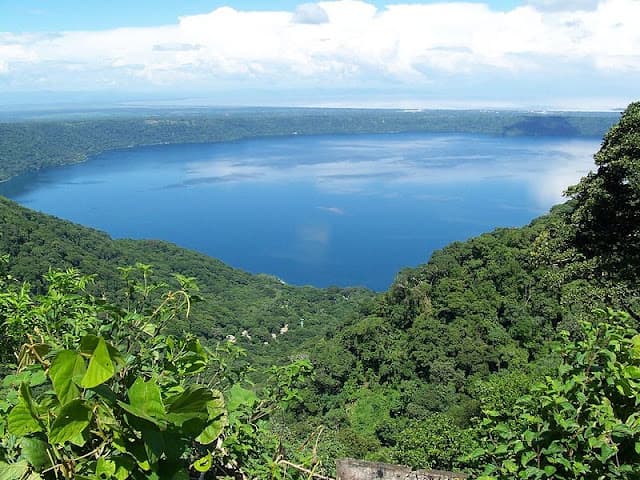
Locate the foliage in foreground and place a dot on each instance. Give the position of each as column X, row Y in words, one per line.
column 100, row 391
column 582, row 423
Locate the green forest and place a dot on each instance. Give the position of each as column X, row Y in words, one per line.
column 515, row 354
column 32, row 144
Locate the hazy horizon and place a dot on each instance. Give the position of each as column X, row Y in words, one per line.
column 78, row 101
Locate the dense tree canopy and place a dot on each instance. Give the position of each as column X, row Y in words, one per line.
column 607, row 214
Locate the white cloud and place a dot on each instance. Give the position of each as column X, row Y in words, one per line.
column 14, row 49
column 310, row 13
column 557, row 5
column 335, row 43
column 175, row 47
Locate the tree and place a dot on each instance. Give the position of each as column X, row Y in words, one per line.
column 433, row 442
column 607, row 214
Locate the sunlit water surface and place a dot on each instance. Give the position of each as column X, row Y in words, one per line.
column 326, row 210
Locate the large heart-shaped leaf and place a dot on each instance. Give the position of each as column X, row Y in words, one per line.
column 73, row 418
column 67, row 366
column 34, row 451
column 146, row 397
column 138, row 412
column 101, row 367
column 191, row 404
column 21, row 422
column 145, row 402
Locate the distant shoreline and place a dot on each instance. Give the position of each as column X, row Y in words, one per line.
column 30, row 145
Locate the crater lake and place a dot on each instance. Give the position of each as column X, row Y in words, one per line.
column 347, row 210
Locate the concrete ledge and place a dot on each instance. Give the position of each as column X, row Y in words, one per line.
column 351, row 469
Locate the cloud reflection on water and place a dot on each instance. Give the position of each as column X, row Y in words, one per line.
column 546, row 167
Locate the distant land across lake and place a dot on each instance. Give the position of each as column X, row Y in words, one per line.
column 347, row 210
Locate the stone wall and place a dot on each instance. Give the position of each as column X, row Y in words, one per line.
column 350, row 469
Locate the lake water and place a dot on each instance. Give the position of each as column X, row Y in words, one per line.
column 326, row 210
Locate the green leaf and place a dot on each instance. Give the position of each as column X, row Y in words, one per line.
column 73, row 418
column 526, row 458
column 150, row 329
column 635, row 348
column 100, row 368
column 529, row 436
column 606, row 452
column 146, row 397
column 124, row 467
column 34, row 451
column 25, row 393
column 531, row 473
column 594, row 442
column 21, row 422
column 501, row 450
column 216, row 406
column 139, row 413
column 105, row 468
column 194, row 403
column 37, row 377
column 578, row 468
column 13, row 471
column 88, row 344
column 212, row 431
column 67, row 366
column 554, row 448
column 138, row 452
column 154, row 444
column 203, row 464
column 477, row 453
column 510, row 466
column 239, row 396
column 631, row 371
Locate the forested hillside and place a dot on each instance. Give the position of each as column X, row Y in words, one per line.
column 471, row 331
column 232, row 301
column 501, row 356
column 34, row 144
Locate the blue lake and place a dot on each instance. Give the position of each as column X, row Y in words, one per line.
column 326, row 210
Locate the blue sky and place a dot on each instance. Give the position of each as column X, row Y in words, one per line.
column 55, row 15
column 569, row 54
